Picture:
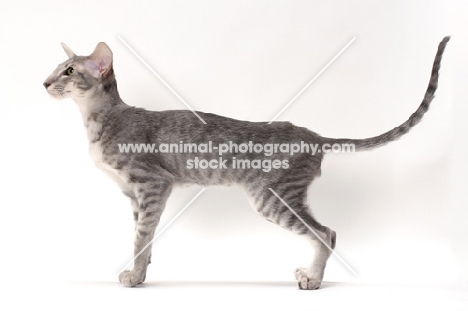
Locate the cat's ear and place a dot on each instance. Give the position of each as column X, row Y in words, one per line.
column 100, row 62
column 67, row 50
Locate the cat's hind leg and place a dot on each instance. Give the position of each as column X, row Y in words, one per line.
column 311, row 278
column 286, row 206
column 150, row 200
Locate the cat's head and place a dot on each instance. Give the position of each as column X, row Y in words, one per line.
column 81, row 76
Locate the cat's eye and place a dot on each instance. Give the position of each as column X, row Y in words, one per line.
column 69, row 71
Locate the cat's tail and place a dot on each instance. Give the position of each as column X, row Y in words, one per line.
column 397, row 132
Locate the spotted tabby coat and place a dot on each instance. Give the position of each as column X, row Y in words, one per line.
column 148, row 178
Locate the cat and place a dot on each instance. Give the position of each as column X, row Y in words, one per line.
column 147, row 178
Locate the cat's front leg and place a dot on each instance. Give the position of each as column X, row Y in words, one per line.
column 150, row 202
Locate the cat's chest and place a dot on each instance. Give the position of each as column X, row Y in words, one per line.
column 96, row 153
column 103, row 163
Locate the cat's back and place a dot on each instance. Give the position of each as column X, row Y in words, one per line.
column 184, row 125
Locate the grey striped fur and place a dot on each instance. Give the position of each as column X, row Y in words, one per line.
column 148, row 178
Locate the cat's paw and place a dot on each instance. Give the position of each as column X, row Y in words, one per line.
column 131, row 278
column 304, row 282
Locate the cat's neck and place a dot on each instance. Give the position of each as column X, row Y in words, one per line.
column 97, row 108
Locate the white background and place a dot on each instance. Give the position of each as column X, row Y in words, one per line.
column 400, row 212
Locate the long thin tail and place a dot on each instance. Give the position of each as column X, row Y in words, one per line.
column 397, row 132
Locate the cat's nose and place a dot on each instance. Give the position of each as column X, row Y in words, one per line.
column 46, row 85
